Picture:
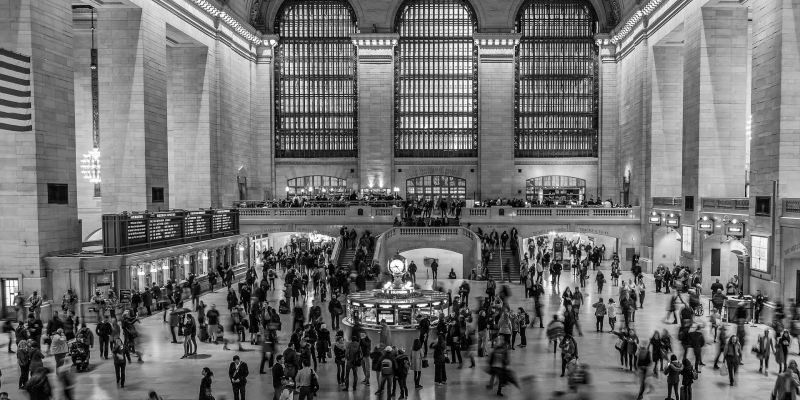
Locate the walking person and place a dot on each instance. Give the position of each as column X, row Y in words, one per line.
column 416, row 362
column 643, row 361
column 611, row 310
column 121, row 357
column 59, row 346
column 599, row 314
column 782, row 350
column 354, row 358
column 305, row 381
column 524, row 320
column 103, row 331
column 439, row 351
column 277, row 377
column 688, row 375
column 205, row 385
column 733, row 355
column 402, row 366
column 24, row 362
column 237, row 372
column 764, row 346
column 673, row 372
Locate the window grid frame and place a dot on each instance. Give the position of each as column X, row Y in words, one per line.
column 451, row 129
column 535, row 139
column 325, row 123
column 435, row 187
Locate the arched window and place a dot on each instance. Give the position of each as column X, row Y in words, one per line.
column 556, row 107
column 436, row 80
column 435, row 187
column 313, row 185
column 315, row 80
column 555, row 189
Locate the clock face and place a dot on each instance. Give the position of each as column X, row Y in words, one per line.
column 397, row 267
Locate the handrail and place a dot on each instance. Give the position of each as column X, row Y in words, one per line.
column 337, row 250
column 580, row 212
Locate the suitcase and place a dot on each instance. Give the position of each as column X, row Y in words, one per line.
column 203, row 333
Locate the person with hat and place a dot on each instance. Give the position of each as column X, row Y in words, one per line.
column 238, row 374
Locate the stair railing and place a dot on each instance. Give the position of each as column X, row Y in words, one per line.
column 337, row 249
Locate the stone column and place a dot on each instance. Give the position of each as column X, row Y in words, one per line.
column 714, row 96
column 775, row 141
column 133, row 109
column 375, row 108
column 39, row 152
column 263, row 92
column 608, row 182
column 190, row 70
column 496, row 54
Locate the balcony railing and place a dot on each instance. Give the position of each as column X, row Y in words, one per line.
column 387, row 214
column 667, row 202
column 726, row 203
column 791, row 207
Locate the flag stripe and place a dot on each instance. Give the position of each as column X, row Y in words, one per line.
column 15, row 92
column 15, row 68
column 14, row 104
column 21, row 117
column 15, row 128
column 11, row 79
column 16, row 56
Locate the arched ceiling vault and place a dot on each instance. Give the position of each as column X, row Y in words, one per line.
column 493, row 15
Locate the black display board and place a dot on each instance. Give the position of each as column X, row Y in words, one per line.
column 126, row 233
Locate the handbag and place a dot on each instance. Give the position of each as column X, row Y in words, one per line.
column 619, row 344
column 425, row 363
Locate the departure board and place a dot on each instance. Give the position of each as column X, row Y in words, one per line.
column 136, row 231
column 197, row 223
column 130, row 232
column 223, row 221
column 165, row 226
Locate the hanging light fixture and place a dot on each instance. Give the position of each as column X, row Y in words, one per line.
column 90, row 163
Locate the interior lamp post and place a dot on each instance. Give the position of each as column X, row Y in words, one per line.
column 90, row 163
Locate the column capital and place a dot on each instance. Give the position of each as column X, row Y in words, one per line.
column 607, row 47
column 375, row 40
column 497, row 41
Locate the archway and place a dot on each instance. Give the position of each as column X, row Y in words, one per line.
column 447, row 259
column 544, row 242
column 666, row 247
column 722, row 258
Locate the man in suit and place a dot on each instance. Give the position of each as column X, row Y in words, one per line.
column 238, row 373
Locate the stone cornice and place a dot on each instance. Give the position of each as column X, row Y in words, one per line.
column 497, row 40
column 375, row 40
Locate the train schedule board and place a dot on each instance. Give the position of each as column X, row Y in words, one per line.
column 130, row 232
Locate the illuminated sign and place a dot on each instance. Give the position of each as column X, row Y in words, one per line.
column 672, row 221
column 655, row 219
column 705, row 226
column 734, row 230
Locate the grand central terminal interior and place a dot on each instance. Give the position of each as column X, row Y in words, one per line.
column 410, row 189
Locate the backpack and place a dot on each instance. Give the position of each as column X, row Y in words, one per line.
column 283, row 307
column 386, row 367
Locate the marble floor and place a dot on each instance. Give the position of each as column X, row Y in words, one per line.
column 174, row 378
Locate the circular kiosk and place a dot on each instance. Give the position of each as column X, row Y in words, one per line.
column 399, row 304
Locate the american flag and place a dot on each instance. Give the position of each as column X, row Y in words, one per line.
column 15, row 92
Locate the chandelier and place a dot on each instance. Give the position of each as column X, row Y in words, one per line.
column 90, row 165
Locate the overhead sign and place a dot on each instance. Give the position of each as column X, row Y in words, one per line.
column 705, row 226
column 734, row 230
column 654, row 219
column 126, row 233
column 673, row 222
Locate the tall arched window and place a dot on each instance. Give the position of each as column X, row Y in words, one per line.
column 556, row 107
column 436, row 80
column 315, row 80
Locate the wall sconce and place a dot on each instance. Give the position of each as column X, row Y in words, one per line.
column 627, row 177
column 396, row 189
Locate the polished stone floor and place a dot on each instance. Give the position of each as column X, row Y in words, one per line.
column 175, row 378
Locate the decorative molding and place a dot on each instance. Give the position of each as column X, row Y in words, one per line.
column 375, row 40
column 213, row 11
column 639, row 15
column 556, row 161
column 497, row 40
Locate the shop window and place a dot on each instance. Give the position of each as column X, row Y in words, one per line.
column 316, row 185
column 555, row 189
column 57, row 193
column 436, row 187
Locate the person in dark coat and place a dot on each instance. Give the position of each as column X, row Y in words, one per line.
column 238, row 372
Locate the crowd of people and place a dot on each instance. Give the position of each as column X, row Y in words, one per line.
column 310, row 290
